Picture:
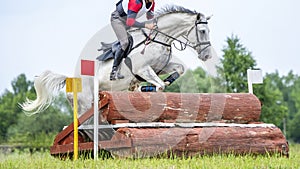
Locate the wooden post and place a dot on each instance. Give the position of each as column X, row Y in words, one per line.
column 74, row 85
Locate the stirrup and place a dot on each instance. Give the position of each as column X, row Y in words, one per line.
column 119, row 76
column 114, row 75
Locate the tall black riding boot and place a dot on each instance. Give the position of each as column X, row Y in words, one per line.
column 115, row 69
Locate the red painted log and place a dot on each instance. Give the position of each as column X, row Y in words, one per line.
column 181, row 107
column 149, row 142
column 202, row 138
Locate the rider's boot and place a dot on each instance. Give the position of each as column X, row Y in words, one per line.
column 115, row 69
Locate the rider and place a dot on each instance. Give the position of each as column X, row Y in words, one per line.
column 124, row 17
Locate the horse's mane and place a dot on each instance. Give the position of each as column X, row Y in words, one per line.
column 173, row 9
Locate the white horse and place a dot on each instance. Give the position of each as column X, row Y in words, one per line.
column 173, row 22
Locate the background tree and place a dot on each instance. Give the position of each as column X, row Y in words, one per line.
column 7, row 117
column 40, row 129
column 193, row 81
column 15, row 126
column 284, row 91
column 274, row 108
column 233, row 75
column 279, row 95
column 293, row 100
column 9, row 108
column 235, row 63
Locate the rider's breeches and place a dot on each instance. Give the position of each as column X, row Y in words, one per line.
column 119, row 26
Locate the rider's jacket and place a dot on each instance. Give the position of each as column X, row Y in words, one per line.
column 134, row 9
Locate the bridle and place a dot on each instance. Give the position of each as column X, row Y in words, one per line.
column 199, row 43
column 183, row 45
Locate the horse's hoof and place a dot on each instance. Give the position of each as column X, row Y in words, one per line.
column 167, row 83
column 159, row 89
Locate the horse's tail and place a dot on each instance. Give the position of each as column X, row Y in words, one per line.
column 47, row 86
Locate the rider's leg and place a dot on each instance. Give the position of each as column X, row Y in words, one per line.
column 119, row 27
column 117, row 60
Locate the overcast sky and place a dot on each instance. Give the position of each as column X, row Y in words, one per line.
column 49, row 35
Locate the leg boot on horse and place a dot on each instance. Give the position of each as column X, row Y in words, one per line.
column 115, row 74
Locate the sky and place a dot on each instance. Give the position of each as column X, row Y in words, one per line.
column 50, row 35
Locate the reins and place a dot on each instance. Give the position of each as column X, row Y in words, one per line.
column 183, row 45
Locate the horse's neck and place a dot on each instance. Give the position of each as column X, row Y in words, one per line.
column 175, row 25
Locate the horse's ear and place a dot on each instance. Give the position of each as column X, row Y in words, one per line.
column 208, row 17
column 198, row 16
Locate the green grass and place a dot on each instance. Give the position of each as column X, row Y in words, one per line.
column 44, row 160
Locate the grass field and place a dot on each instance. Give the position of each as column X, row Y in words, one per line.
column 44, row 160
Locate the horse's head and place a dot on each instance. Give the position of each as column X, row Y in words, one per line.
column 198, row 37
column 176, row 21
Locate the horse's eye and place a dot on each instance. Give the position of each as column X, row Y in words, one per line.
column 202, row 31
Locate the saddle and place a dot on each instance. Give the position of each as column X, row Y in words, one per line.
column 109, row 49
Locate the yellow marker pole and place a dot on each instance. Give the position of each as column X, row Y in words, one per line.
column 75, row 121
column 74, row 85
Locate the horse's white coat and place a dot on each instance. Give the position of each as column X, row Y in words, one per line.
column 175, row 24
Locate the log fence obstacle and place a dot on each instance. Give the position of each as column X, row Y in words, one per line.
column 137, row 124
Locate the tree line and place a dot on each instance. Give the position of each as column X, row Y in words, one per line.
column 278, row 94
column 18, row 129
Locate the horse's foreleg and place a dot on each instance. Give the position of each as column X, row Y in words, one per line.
column 150, row 76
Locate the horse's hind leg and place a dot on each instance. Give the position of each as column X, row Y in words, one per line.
column 175, row 70
column 170, row 79
column 150, row 76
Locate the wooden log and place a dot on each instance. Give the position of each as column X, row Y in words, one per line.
column 149, row 142
column 181, row 107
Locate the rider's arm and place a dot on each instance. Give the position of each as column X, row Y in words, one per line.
column 133, row 8
column 150, row 14
column 131, row 20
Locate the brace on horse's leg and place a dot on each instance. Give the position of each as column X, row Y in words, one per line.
column 170, row 79
column 175, row 70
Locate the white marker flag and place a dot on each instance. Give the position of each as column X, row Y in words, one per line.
column 254, row 77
